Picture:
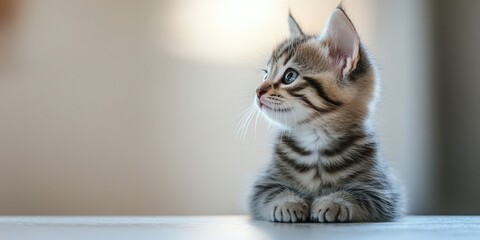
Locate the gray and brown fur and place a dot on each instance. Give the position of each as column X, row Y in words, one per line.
column 325, row 165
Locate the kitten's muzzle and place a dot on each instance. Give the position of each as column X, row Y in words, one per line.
column 261, row 91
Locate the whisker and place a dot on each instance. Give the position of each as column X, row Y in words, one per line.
column 243, row 129
column 250, row 117
column 241, row 123
column 256, row 120
column 245, row 109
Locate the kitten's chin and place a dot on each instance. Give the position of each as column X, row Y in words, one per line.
column 280, row 116
column 281, row 120
column 279, row 111
column 269, row 108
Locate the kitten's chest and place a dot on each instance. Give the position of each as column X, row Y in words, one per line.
column 314, row 177
column 306, row 164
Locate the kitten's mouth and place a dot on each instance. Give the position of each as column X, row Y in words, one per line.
column 264, row 106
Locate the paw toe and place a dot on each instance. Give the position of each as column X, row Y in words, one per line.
column 329, row 212
column 290, row 212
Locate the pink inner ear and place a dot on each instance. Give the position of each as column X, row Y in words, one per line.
column 343, row 39
column 338, row 53
column 338, row 58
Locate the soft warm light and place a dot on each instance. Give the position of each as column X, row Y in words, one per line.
column 223, row 30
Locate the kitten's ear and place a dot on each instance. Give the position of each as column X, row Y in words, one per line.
column 295, row 30
column 346, row 42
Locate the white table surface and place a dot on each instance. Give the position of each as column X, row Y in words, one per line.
column 232, row 227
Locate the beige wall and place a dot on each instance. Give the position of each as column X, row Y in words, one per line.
column 129, row 107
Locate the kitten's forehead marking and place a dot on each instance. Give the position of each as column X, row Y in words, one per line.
column 314, row 57
column 285, row 47
column 307, row 53
column 288, row 48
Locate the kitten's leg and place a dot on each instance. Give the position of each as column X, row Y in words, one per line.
column 354, row 205
column 275, row 203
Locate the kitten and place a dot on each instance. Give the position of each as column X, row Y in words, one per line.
column 320, row 92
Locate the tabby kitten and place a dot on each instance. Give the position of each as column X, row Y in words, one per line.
column 320, row 92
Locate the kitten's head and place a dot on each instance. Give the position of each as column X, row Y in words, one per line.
column 313, row 80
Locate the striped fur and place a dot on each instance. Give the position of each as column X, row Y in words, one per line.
column 325, row 165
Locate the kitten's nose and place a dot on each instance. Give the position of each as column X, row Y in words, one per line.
column 261, row 91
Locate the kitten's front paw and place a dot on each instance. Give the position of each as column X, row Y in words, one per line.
column 328, row 211
column 291, row 212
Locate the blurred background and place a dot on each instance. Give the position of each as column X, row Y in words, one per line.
column 129, row 107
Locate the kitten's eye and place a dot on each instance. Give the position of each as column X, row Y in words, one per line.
column 289, row 76
column 266, row 74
